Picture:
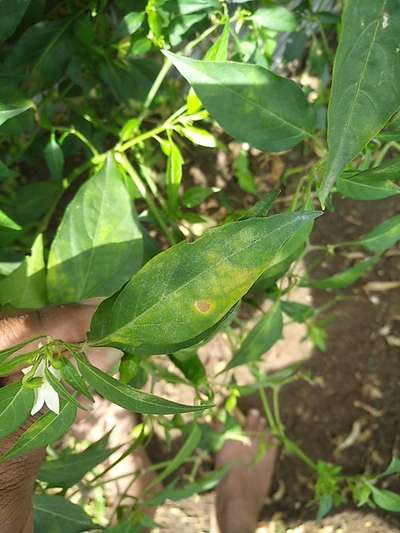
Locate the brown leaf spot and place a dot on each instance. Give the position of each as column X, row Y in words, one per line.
column 203, row 306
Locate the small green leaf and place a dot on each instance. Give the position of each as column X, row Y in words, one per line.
column 386, row 499
column 345, row 278
column 324, row 507
column 97, row 246
column 44, row 431
column 174, row 175
column 55, row 514
column 383, row 236
column 71, row 468
column 195, row 196
column 190, row 365
column 297, row 311
column 62, row 391
column 54, row 158
column 250, row 102
column 129, row 24
column 262, row 207
column 16, row 403
column 393, row 468
column 241, row 170
column 7, row 222
column 10, row 108
column 261, row 338
column 5, row 354
column 74, row 379
column 25, row 287
column 128, row 397
column 182, row 292
column 219, row 50
column 276, row 18
column 199, row 137
column 365, row 91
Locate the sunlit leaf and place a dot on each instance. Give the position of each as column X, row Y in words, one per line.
column 16, row 403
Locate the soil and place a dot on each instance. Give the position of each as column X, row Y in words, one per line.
column 352, row 416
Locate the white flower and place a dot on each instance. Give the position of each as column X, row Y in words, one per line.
column 45, row 394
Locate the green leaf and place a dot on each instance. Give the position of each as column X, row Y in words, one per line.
column 184, row 291
column 199, row 137
column 241, row 170
column 71, row 468
column 16, row 403
column 4, row 354
column 44, row 431
column 185, row 451
column 11, row 107
column 343, row 279
column 386, row 499
column 383, row 236
column 61, row 390
column 190, row 365
column 261, row 338
column 262, row 207
column 251, row 103
column 393, row 468
column 359, row 188
column 195, row 196
column 174, row 175
column 219, row 50
column 56, row 515
column 11, row 13
column 206, row 483
column 324, row 507
column 365, row 90
column 297, row 311
column 128, row 397
column 74, row 379
column 7, row 222
column 25, row 287
column 98, row 244
column 276, row 18
column 54, row 158
column 129, row 24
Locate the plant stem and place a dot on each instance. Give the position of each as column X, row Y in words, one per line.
column 123, row 160
column 155, row 88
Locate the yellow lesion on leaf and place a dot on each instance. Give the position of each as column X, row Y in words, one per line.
column 203, row 306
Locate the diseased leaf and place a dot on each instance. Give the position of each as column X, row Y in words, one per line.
column 343, row 279
column 11, row 13
column 365, row 90
column 261, row 338
column 25, row 287
column 98, row 244
column 184, row 291
column 251, row 103
column 44, row 431
column 16, row 403
column 128, row 397
column 55, row 514
column 383, row 236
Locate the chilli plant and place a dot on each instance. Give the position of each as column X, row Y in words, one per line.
column 101, row 105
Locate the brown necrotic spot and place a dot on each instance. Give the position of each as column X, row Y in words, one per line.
column 203, row 306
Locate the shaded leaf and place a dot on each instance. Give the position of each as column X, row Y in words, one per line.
column 251, row 103
column 54, row 158
column 7, row 222
column 56, row 515
column 10, row 107
column 190, row 365
column 11, row 13
column 16, row 403
column 70, row 468
column 97, row 246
